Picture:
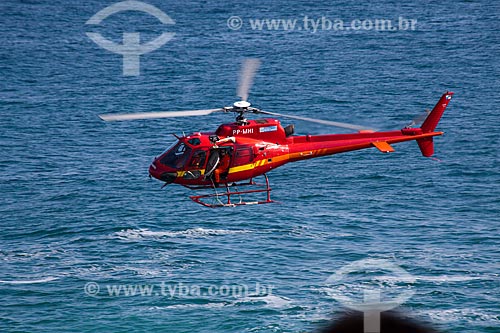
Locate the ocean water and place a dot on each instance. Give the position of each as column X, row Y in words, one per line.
column 78, row 211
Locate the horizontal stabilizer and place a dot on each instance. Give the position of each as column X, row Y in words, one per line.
column 383, row 146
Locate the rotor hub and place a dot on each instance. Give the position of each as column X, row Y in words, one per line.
column 241, row 105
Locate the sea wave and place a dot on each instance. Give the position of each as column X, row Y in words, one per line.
column 210, row 305
column 135, row 234
column 272, row 301
column 436, row 279
column 47, row 279
column 467, row 314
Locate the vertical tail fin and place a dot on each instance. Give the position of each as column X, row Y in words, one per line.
column 426, row 145
column 433, row 118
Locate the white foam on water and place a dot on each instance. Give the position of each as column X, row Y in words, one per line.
column 271, row 301
column 137, row 234
column 342, row 234
column 437, row 279
column 468, row 314
column 143, row 271
column 47, row 279
column 447, row 278
column 189, row 306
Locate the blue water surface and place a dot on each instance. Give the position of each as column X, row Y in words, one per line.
column 79, row 212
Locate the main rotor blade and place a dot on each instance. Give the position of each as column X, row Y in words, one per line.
column 247, row 74
column 156, row 115
column 319, row 121
column 418, row 120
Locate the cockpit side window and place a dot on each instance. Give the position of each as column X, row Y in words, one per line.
column 177, row 156
column 198, row 159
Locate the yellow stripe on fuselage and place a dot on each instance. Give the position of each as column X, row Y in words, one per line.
column 305, row 153
column 244, row 167
column 259, row 163
column 276, row 159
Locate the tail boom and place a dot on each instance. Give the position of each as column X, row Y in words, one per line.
column 305, row 147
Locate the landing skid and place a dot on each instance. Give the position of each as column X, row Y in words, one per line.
column 223, row 199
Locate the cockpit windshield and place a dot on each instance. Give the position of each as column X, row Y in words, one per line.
column 177, row 156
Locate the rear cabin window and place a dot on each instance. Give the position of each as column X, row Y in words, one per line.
column 243, row 156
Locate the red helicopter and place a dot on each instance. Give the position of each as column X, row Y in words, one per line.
column 238, row 152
